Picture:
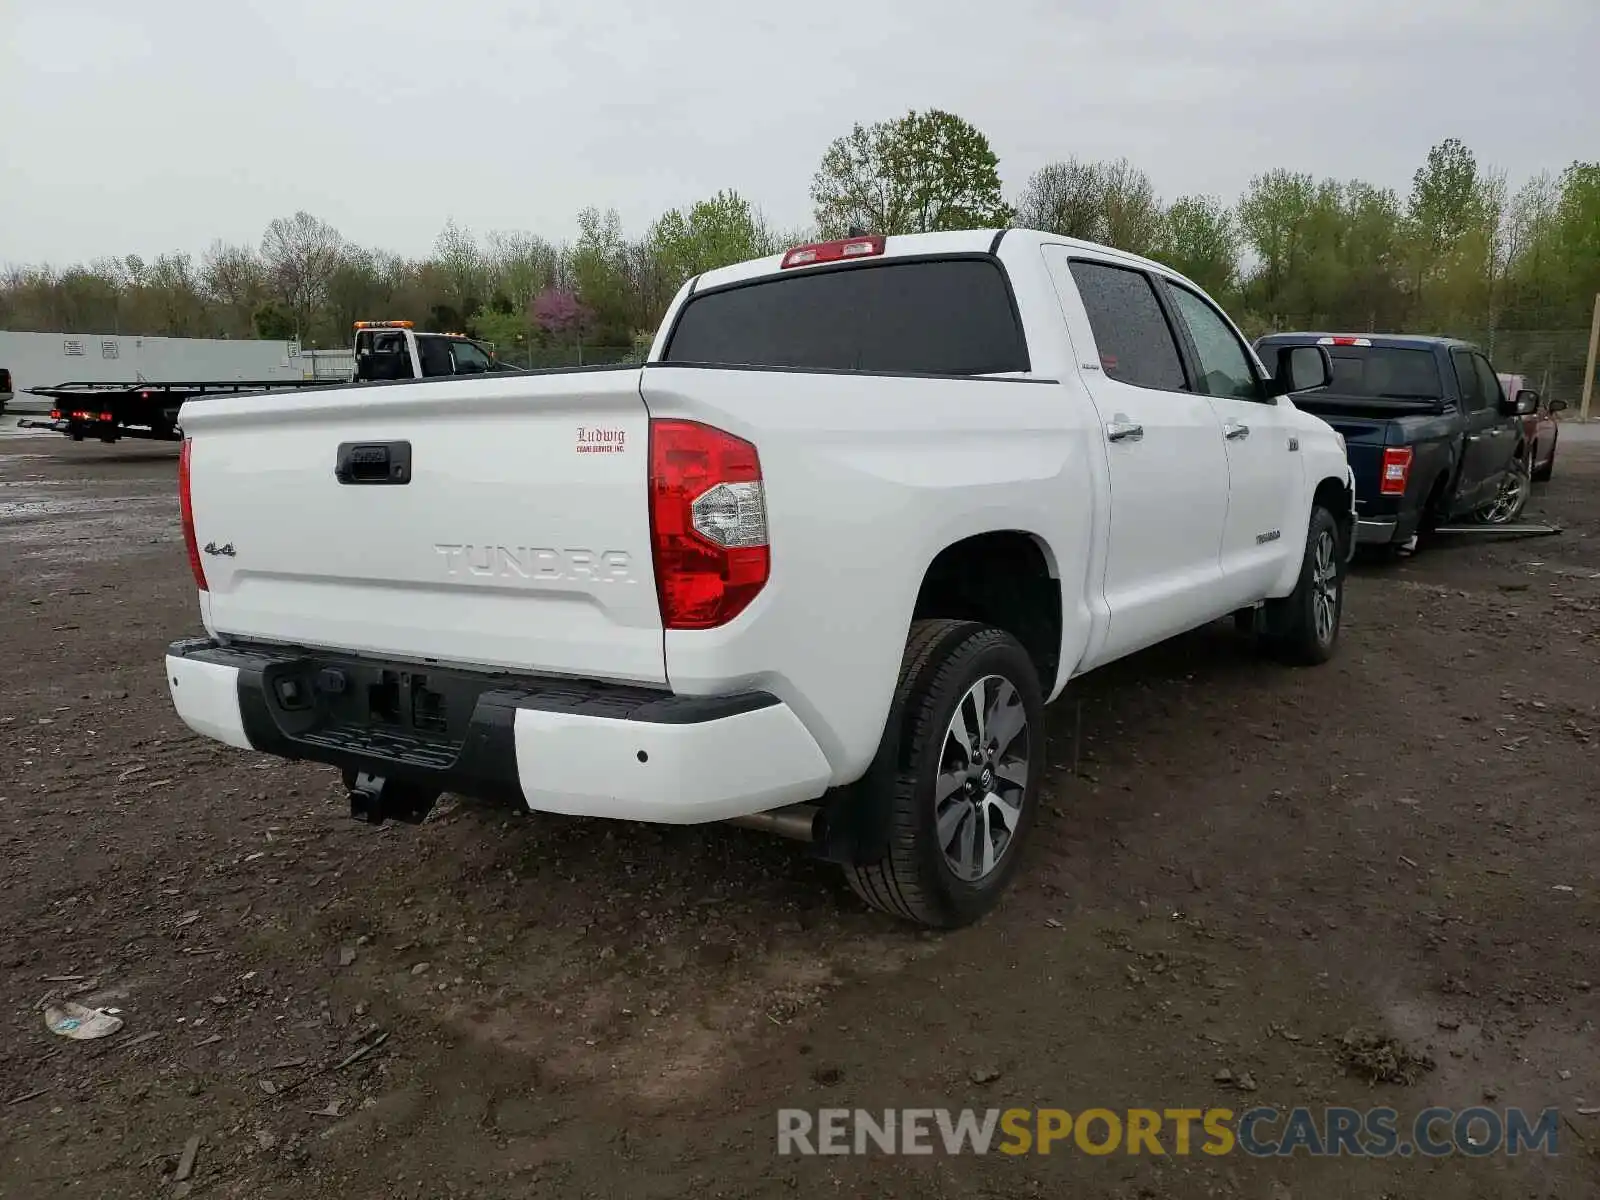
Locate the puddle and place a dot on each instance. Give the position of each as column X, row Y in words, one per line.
column 37, row 482
column 14, row 509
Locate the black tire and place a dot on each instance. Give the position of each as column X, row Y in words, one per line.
column 1520, row 477
column 1293, row 632
column 1542, row 474
column 944, row 661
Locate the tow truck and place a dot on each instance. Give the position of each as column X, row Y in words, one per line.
column 390, row 350
column 385, row 351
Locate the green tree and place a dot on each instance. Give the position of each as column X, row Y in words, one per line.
column 1443, row 192
column 1373, row 258
column 1534, row 258
column 712, row 233
column 601, row 277
column 519, row 266
column 1578, row 235
column 1200, row 239
column 275, row 322
column 1273, row 218
column 508, row 331
column 1440, row 212
column 923, row 172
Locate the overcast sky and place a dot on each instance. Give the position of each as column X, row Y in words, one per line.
column 163, row 124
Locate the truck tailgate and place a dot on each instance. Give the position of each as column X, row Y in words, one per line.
column 1364, row 440
column 499, row 522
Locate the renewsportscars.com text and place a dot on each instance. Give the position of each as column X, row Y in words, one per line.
column 1258, row 1132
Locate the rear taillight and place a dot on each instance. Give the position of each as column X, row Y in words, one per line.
column 1396, row 471
column 186, row 508
column 708, row 524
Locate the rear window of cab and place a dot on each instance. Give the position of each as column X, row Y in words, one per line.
column 924, row 317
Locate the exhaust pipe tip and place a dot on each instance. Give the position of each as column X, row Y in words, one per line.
column 797, row 822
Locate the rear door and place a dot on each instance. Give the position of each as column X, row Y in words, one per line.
column 1488, row 449
column 497, row 521
column 1164, row 448
column 1509, row 430
column 1265, row 481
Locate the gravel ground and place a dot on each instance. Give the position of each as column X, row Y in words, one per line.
column 1249, row 862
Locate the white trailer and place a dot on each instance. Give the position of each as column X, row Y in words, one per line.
column 48, row 359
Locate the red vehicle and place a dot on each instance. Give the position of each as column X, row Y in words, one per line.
column 1539, row 428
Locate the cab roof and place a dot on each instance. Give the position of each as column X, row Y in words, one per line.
column 910, row 245
column 1381, row 341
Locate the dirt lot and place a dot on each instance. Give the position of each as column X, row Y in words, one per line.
column 1250, row 861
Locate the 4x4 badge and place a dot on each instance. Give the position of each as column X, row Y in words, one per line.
column 225, row 551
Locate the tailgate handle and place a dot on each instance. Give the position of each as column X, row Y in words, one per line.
column 373, row 462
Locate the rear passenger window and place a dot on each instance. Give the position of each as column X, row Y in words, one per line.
column 1488, row 381
column 1472, row 395
column 1135, row 342
column 938, row 317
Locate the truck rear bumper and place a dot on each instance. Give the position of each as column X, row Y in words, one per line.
column 1382, row 529
column 1375, row 532
column 556, row 745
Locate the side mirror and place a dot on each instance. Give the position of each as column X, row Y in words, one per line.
column 1556, row 406
column 1527, row 402
column 1301, row 369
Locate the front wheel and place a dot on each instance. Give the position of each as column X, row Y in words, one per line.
column 968, row 717
column 1515, row 487
column 1303, row 627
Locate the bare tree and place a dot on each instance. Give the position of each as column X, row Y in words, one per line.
column 1111, row 202
column 460, row 264
column 1064, row 198
column 301, row 254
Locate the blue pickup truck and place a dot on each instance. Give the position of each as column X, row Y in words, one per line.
column 1430, row 434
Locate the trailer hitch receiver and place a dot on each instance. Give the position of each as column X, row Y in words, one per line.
column 377, row 798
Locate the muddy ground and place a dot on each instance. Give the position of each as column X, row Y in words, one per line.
column 1250, row 862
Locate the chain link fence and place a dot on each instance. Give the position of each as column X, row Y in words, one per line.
column 537, row 357
column 1552, row 360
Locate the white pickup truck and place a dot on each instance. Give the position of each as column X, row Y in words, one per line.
column 815, row 567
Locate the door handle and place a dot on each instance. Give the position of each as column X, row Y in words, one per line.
column 1124, row 431
column 1235, row 430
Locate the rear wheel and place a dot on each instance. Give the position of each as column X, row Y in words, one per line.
column 968, row 717
column 1303, row 627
